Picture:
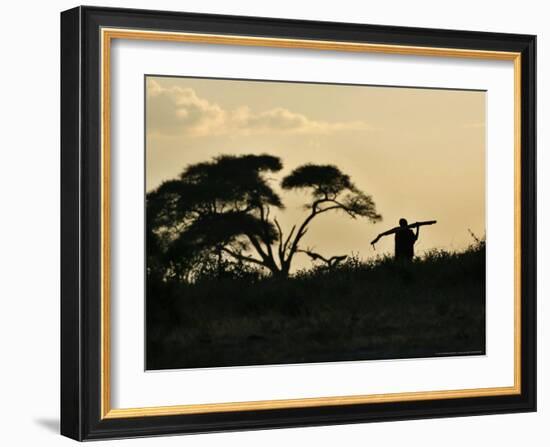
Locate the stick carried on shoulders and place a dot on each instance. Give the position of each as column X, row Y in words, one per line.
column 421, row 224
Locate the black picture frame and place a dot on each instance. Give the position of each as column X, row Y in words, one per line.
column 81, row 208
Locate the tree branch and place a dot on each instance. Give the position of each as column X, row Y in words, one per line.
column 338, row 206
column 264, row 216
column 257, row 246
column 331, row 262
column 299, row 234
column 288, row 238
column 314, row 256
column 315, row 210
column 280, row 231
column 268, row 260
column 242, row 257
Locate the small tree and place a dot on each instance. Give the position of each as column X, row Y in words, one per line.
column 222, row 209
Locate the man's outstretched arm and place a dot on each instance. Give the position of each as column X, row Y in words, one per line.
column 385, row 233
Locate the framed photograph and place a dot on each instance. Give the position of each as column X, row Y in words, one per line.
column 276, row 223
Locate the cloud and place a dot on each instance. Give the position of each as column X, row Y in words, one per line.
column 180, row 111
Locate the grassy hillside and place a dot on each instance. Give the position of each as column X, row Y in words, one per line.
column 434, row 306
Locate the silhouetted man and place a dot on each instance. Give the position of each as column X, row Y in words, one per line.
column 405, row 238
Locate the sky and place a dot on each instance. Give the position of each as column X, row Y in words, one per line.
column 420, row 153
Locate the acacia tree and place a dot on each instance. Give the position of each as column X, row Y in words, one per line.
column 222, row 210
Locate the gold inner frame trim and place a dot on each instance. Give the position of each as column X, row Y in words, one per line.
column 107, row 35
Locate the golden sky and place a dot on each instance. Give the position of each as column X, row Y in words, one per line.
column 420, row 153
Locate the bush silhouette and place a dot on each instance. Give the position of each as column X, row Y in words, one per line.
column 358, row 310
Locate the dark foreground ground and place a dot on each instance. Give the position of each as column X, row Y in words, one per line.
column 434, row 306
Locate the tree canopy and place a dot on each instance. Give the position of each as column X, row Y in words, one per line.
column 222, row 210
